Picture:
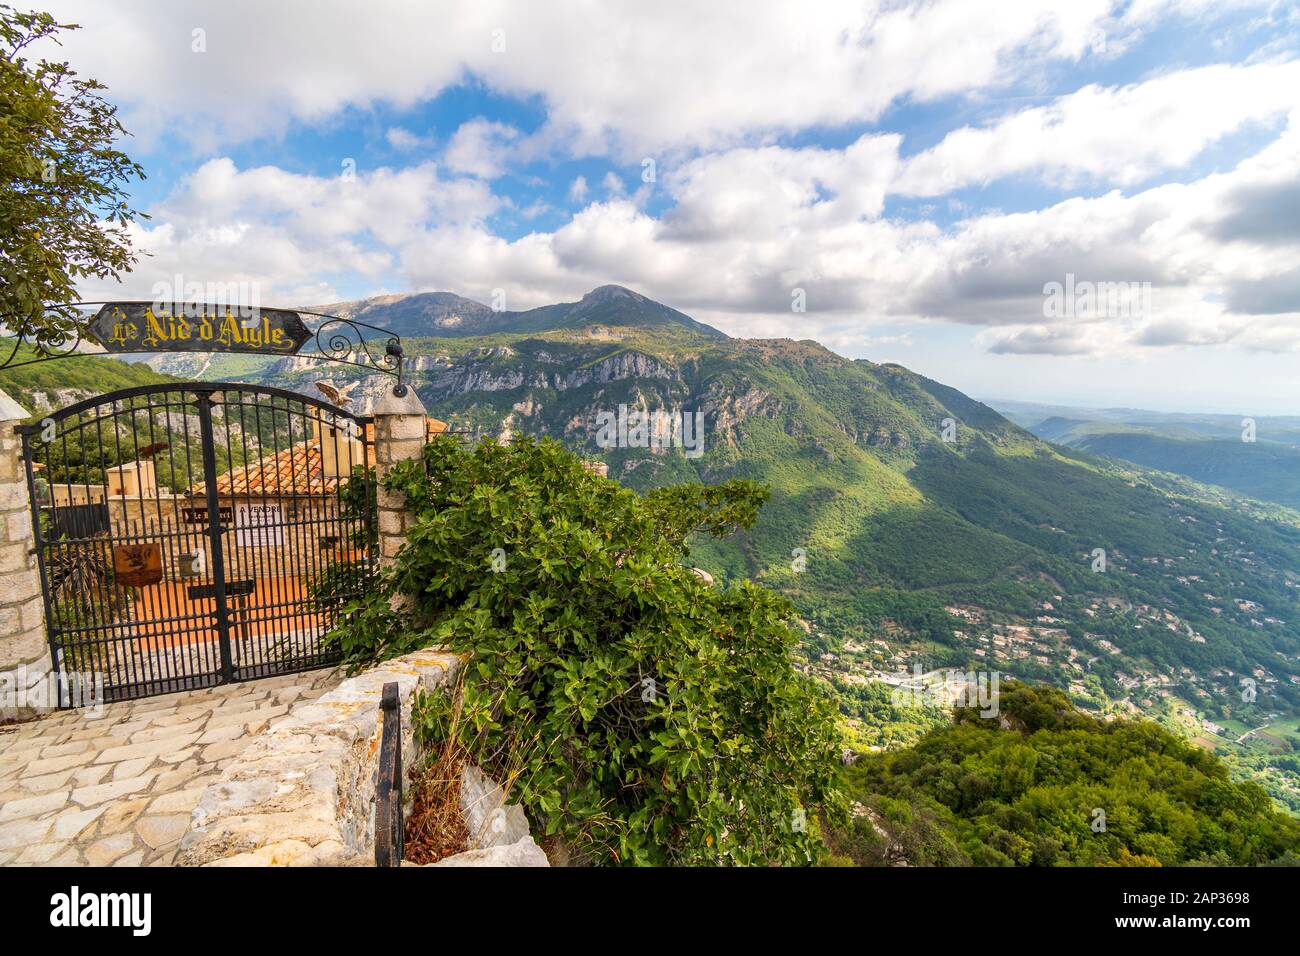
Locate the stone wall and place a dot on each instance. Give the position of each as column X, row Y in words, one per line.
column 303, row 794
column 26, row 686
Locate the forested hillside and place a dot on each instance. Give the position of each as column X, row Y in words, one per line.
column 1042, row 784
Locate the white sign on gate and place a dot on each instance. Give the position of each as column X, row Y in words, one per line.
column 259, row 526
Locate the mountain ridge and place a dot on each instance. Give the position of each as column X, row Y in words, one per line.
column 449, row 314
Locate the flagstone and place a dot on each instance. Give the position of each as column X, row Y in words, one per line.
column 180, row 756
column 89, row 776
column 152, row 748
column 123, row 813
column 168, row 731
column 105, row 851
column 117, row 786
column 178, row 801
column 69, row 825
column 223, row 734
column 33, row 806
column 51, row 781
column 61, row 750
column 21, row 833
column 132, row 768
column 41, row 853
column 89, row 796
column 160, row 830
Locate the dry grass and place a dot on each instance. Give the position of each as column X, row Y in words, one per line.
column 436, row 829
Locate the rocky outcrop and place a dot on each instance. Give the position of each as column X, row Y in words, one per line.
column 523, row 853
column 725, row 410
column 616, row 368
column 482, row 374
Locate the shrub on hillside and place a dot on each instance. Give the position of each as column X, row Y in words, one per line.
column 645, row 716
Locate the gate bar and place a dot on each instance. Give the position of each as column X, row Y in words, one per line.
column 204, row 403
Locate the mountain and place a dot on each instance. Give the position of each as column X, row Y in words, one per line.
column 45, row 386
column 446, row 314
column 1207, row 448
column 911, row 524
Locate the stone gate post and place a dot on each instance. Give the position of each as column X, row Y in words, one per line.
column 399, row 436
column 27, row 688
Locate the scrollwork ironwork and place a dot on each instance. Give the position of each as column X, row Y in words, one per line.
column 335, row 339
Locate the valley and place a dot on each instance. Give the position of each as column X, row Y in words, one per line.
column 913, row 527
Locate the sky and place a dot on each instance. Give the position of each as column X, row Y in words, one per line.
column 1082, row 202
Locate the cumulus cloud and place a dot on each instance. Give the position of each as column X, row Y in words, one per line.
column 743, row 218
column 285, row 230
column 631, row 79
column 481, row 148
column 404, row 140
column 1120, row 135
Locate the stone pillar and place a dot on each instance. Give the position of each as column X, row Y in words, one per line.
column 26, row 686
column 399, row 436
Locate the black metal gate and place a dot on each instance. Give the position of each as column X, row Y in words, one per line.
column 196, row 534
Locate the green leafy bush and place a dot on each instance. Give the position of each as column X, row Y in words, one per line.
column 647, row 717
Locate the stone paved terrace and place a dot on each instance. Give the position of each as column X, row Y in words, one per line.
column 117, row 789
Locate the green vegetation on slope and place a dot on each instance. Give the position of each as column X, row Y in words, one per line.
column 64, row 381
column 1042, row 784
column 1259, row 457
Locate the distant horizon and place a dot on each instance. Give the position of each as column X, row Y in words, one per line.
column 953, row 381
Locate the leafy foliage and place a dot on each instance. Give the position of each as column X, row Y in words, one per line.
column 63, row 202
column 650, row 719
column 1025, row 788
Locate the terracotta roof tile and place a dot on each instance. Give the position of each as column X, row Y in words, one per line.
column 297, row 470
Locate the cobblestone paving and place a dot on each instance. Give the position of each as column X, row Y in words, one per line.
column 117, row 789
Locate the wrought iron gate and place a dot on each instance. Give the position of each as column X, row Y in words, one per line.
column 196, row 534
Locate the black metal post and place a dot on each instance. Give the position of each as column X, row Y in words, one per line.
column 390, row 830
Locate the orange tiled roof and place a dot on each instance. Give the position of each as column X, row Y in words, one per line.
column 297, row 470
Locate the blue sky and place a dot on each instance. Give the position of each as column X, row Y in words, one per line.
column 919, row 171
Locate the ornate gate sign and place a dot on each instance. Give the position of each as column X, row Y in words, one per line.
column 150, row 327
column 147, row 327
column 233, row 522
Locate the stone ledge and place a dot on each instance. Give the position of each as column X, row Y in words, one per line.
column 303, row 794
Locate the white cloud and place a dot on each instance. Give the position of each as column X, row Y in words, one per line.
column 286, row 230
column 1120, row 135
column 481, row 148
column 633, row 79
column 749, row 226
column 613, row 184
column 705, row 91
column 404, row 140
